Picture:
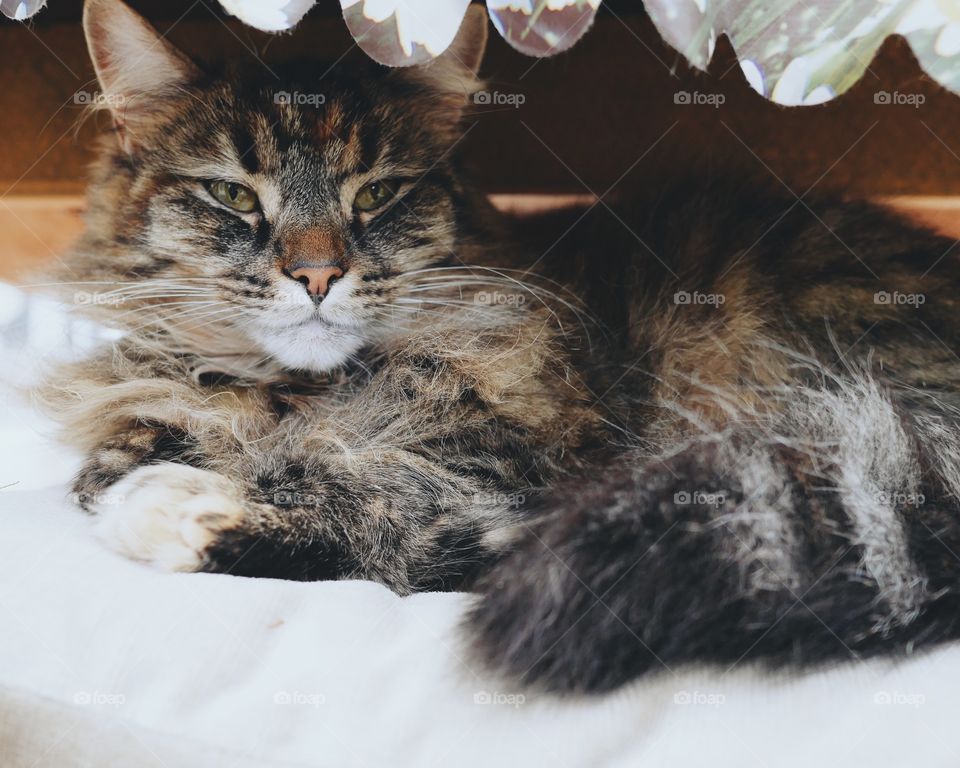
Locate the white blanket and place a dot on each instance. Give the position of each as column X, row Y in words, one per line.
column 104, row 662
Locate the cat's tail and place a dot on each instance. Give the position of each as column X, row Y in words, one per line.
column 835, row 537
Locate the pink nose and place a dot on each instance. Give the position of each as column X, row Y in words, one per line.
column 317, row 280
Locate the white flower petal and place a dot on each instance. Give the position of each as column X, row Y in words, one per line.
column 923, row 14
column 948, row 41
column 378, row 10
column 753, row 74
column 431, row 23
column 269, row 15
column 526, row 6
column 792, row 85
column 21, row 10
column 819, row 95
column 424, row 28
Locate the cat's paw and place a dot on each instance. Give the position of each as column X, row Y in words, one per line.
column 167, row 515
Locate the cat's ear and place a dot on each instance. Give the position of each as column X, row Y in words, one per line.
column 454, row 72
column 452, row 76
column 466, row 51
column 135, row 65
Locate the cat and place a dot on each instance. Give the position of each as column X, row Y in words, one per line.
column 710, row 423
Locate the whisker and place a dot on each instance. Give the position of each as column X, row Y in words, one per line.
column 464, row 276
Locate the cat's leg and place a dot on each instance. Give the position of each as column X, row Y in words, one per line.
column 123, row 452
column 411, row 480
column 393, row 517
column 126, row 409
column 151, row 498
column 168, row 514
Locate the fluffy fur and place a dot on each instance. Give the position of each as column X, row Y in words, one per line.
column 704, row 435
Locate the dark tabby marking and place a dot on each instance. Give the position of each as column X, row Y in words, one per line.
column 723, row 444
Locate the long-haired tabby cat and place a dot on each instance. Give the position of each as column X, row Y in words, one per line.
column 720, row 424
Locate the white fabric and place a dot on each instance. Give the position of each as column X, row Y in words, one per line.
column 104, row 662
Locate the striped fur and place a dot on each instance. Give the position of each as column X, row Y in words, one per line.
column 715, row 445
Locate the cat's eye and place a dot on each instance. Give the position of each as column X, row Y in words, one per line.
column 375, row 195
column 233, row 195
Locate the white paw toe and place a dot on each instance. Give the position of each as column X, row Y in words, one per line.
column 167, row 514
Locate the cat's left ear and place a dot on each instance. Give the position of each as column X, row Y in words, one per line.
column 465, row 53
column 135, row 65
column 454, row 72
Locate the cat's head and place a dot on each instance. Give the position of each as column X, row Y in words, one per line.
column 288, row 204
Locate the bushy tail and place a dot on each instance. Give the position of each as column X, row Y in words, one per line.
column 834, row 536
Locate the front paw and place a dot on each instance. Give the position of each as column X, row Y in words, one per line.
column 168, row 515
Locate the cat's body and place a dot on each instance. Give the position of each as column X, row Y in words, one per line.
column 681, row 427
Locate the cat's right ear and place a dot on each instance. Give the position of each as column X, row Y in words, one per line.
column 135, row 65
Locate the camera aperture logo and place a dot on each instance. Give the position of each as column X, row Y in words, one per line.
column 299, row 99
column 100, row 499
column 699, row 698
column 899, row 499
column 699, row 99
column 98, row 699
column 499, row 500
column 498, row 99
column 94, row 299
column 699, row 498
column 98, row 99
column 497, row 299
column 296, row 499
column 899, row 699
column 895, row 98
column 299, row 699
column 515, row 700
column 897, row 299
column 691, row 298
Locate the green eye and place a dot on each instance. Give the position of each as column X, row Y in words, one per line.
column 375, row 194
column 233, row 195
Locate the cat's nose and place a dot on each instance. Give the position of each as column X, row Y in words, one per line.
column 317, row 279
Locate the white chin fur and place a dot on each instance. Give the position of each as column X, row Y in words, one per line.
column 312, row 347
